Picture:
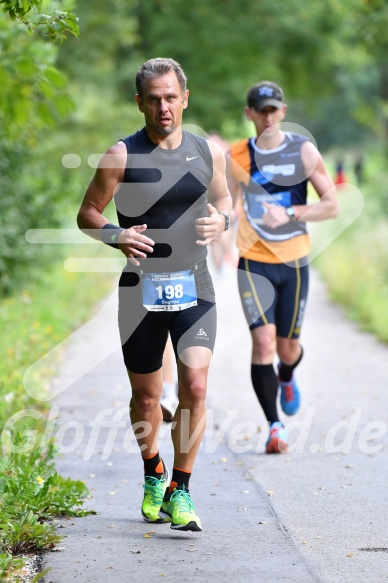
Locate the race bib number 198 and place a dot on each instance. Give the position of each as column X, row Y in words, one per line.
column 169, row 291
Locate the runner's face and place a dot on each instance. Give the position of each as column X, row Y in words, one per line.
column 162, row 103
column 267, row 120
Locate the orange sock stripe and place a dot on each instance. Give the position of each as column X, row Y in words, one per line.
column 159, row 468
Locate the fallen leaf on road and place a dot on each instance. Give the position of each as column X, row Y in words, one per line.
column 270, row 492
column 349, row 555
column 136, row 552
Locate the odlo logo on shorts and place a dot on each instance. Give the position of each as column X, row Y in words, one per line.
column 201, row 335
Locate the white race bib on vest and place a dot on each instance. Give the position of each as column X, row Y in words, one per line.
column 167, row 292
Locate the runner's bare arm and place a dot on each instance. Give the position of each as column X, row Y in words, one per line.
column 325, row 208
column 316, row 172
column 106, row 180
column 103, row 186
column 210, row 226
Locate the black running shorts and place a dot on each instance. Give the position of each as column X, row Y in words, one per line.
column 144, row 334
column 274, row 293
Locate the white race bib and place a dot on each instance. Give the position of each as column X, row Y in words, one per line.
column 174, row 291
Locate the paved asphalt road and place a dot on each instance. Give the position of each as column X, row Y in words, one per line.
column 316, row 514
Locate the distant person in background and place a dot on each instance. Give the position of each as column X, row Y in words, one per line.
column 269, row 172
column 340, row 178
column 359, row 168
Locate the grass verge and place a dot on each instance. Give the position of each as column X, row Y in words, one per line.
column 32, row 493
column 355, row 263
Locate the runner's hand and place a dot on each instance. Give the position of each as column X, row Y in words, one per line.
column 133, row 244
column 275, row 215
column 209, row 227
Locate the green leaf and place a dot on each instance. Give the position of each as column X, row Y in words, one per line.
column 55, row 77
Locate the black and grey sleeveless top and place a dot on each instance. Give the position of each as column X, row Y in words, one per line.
column 168, row 191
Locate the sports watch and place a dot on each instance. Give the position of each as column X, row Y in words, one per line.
column 290, row 212
column 227, row 219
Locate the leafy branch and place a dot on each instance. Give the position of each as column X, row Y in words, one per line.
column 53, row 26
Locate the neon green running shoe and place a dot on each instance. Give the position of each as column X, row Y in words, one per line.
column 180, row 510
column 154, row 490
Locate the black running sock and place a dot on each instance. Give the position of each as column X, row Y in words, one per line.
column 153, row 466
column 285, row 370
column 179, row 480
column 265, row 383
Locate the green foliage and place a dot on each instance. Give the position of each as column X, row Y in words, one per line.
column 27, row 535
column 32, row 196
column 8, row 563
column 19, row 8
column 225, row 49
column 361, row 286
column 32, row 493
column 53, row 26
column 33, row 97
column 33, row 90
column 31, row 490
column 33, row 323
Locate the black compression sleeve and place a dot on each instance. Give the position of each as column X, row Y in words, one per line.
column 109, row 234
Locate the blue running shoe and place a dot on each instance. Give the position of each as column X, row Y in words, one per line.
column 289, row 396
column 277, row 439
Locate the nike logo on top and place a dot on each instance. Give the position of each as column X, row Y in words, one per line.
column 192, row 158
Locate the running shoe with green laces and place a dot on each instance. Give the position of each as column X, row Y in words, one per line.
column 154, row 490
column 180, row 510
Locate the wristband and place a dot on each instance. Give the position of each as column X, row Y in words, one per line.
column 227, row 219
column 109, row 237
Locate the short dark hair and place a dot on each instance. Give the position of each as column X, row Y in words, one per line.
column 156, row 68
